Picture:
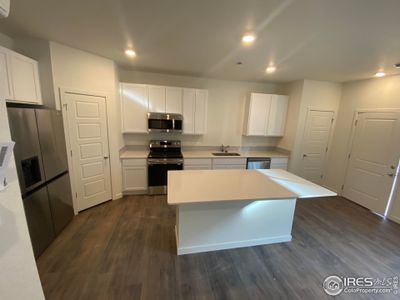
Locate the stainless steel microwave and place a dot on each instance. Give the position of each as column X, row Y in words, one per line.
column 163, row 122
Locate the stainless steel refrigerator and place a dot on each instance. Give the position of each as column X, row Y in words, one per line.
column 41, row 159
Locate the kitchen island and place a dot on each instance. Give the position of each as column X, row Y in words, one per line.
column 223, row 209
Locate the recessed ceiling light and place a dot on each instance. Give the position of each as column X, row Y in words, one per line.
column 380, row 74
column 270, row 69
column 130, row 53
column 248, row 39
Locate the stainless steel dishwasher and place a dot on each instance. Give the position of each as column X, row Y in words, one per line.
column 259, row 163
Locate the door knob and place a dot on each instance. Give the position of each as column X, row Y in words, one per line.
column 392, row 167
column 105, row 157
column 390, row 174
column 304, row 155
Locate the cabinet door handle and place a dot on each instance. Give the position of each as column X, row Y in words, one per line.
column 105, row 157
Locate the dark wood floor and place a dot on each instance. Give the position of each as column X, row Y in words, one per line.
column 125, row 249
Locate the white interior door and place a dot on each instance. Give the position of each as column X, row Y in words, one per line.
column 315, row 144
column 373, row 159
column 87, row 128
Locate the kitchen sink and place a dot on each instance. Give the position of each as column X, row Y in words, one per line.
column 225, row 154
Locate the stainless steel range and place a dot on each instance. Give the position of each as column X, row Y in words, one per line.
column 163, row 157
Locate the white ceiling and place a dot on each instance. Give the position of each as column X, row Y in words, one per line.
column 335, row 40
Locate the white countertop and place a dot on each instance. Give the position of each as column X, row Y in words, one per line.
column 300, row 186
column 125, row 154
column 243, row 154
column 134, row 154
column 222, row 185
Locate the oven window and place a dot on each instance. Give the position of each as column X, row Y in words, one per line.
column 158, row 174
column 160, row 124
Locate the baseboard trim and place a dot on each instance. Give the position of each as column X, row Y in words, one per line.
column 394, row 219
column 117, row 196
column 127, row 193
column 231, row 245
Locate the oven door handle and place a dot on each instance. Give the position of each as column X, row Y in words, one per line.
column 164, row 162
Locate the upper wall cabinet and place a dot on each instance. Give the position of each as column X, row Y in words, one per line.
column 19, row 78
column 173, row 100
column 134, row 107
column 157, row 96
column 165, row 99
column 139, row 99
column 266, row 115
column 195, row 111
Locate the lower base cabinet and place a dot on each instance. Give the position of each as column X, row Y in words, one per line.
column 279, row 163
column 197, row 164
column 229, row 163
column 134, row 170
column 134, row 176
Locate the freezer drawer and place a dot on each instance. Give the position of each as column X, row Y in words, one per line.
column 60, row 198
column 38, row 217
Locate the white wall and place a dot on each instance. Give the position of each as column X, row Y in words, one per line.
column 226, row 103
column 6, row 41
column 78, row 70
column 19, row 278
column 365, row 94
column 295, row 92
column 305, row 95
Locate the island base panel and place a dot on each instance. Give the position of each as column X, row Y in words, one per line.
column 203, row 227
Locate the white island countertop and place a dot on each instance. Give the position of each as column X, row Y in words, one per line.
column 222, row 185
column 300, row 186
column 200, row 186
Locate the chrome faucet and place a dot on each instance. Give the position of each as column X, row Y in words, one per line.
column 224, row 148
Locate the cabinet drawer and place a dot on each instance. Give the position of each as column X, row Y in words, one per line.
column 197, row 161
column 229, row 161
column 197, row 167
column 279, row 166
column 141, row 162
column 279, row 160
column 229, row 167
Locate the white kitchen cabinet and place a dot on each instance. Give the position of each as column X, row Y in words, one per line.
column 134, row 108
column 266, row 115
column 134, row 175
column 195, row 111
column 189, row 106
column 259, row 108
column 200, row 113
column 157, row 96
column 197, row 164
column 173, row 100
column 5, row 77
column 19, row 78
column 277, row 115
column 279, row 163
column 229, row 163
column 139, row 99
